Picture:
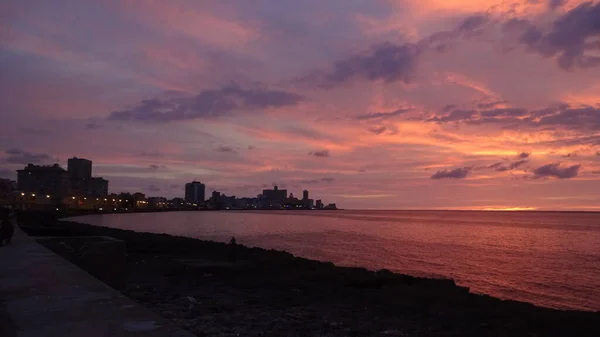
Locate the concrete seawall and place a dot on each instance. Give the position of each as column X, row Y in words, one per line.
column 42, row 294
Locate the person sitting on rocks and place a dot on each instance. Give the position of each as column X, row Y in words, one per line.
column 232, row 241
column 6, row 229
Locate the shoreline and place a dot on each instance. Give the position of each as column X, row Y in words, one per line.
column 209, row 286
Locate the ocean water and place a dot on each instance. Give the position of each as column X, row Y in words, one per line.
column 549, row 259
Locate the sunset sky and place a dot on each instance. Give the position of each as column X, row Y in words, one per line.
column 392, row 104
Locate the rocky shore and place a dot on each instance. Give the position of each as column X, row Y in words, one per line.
column 217, row 289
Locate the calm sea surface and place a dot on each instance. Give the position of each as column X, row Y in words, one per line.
column 549, row 259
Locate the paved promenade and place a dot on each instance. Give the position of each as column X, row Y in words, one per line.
column 44, row 295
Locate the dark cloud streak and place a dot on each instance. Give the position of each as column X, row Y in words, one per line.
column 459, row 173
column 382, row 115
column 319, row 154
column 207, row 104
column 394, row 62
column 18, row 156
column 568, row 38
column 226, row 149
column 555, row 170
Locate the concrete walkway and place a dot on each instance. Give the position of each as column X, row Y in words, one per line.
column 44, row 295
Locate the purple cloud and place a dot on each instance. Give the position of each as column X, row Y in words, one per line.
column 157, row 167
column 459, row 173
column 382, row 115
column 320, row 154
column 388, row 62
column 555, row 170
column 559, row 116
column 18, row 156
column 207, row 104
column 568, row 38
column 554, row 4
column 378, row 130
column 226, row 149
column 317, row 181
column 500, row 167
column 153, row 188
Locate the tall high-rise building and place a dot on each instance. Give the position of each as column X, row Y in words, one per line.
column 305, row 195
column 47, row 180
column 80, row 173
column 79, row 168
column 195, row 192
column 81, row 181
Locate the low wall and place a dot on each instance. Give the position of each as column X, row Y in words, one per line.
column 43, row 294
column 101, row 256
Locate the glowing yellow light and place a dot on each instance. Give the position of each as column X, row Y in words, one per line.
column 22, row 194
column 73, row 198
column 113, row 199
column 33, row 194
column 105, row 199
column 48, row 196
column 84, row 198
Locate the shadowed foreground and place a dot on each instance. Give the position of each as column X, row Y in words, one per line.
column 215, row 289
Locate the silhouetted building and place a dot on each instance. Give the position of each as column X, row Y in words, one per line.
column 52, row 181
column 305, row 195
column 140, row 200
column 275, row 194
column 195, row 192
column 274, row 198
column 7, row 190
column 79, row 168
column 8, row 185
column 96, row 186
column 177, row 203
column 319, row 204
column 80, row 172
column 158, row 202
